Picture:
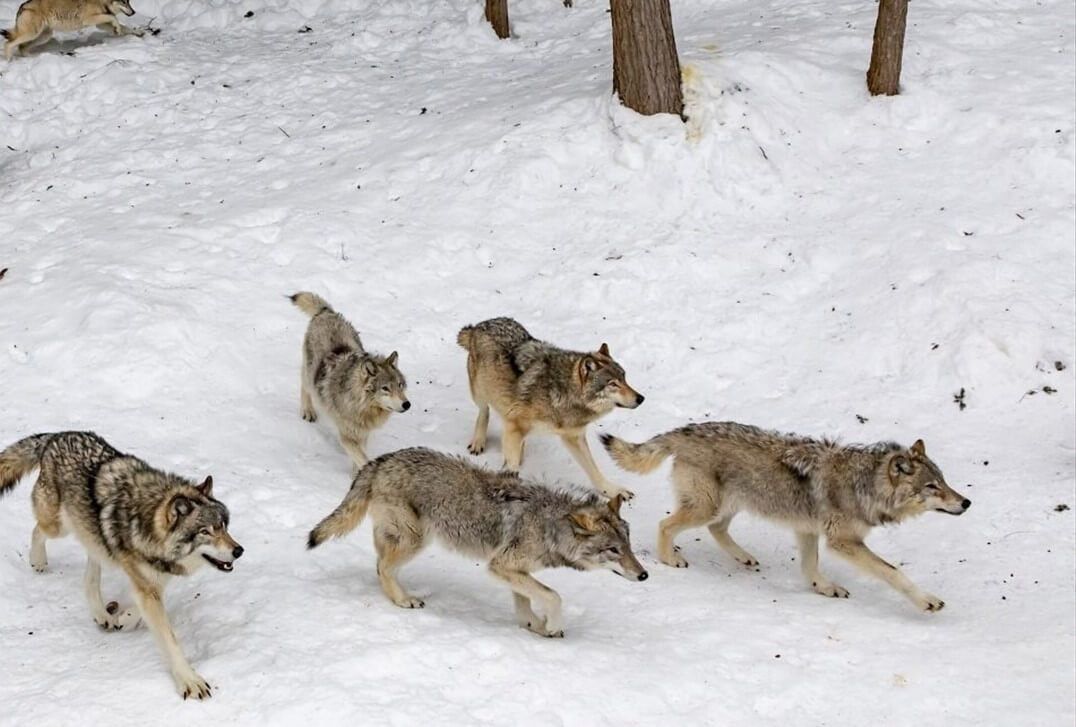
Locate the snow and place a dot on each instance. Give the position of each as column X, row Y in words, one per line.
column 797, row 255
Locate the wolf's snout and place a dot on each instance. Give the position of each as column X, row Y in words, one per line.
column 237, row 551
column 406, row 405
column 642, row 576
column 966, row 504
column 639, row 399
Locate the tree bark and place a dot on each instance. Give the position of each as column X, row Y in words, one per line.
column 497, row 15
column 883, row 76
column 646, row 70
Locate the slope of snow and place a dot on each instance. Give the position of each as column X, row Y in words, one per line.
column 800, row 256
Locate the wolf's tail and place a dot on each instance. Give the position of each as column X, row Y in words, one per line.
column 641, row 458
column 310, row 303
column 349, row 514
column 465, row 336
column 20, row 458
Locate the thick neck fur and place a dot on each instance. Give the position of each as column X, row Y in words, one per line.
column 874, row 493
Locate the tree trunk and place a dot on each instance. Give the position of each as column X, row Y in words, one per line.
column 497, row 15
column 883, row 76
column 646, row 71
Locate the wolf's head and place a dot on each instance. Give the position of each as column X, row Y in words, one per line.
column 918, row 484
column 601, row 540
column 603, row 382
column 197, row 529
column 384, row 383
column 121, row 7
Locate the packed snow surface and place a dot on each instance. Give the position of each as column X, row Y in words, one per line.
column 798, row 256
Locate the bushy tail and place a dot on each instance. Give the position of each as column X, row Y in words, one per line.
column 310, row 303
column 349, row 514
column 464, row 337
column 20, row 458
column 641, row 458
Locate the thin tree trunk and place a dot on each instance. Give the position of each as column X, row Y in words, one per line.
column 497, row 15
column 646, row 70
column 883, row 76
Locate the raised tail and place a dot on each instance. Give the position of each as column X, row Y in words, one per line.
column 20, row 458
column 349, row 514
column 641, row 458
column 464, row 337
column 310, row 303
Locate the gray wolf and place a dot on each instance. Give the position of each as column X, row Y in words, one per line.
column 516, row 525
column 815, row 487
column 151, row 524
column 357, row 389
column 37, row 20
column 535, row 385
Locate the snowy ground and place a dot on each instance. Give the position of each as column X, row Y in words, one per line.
column 802, row 258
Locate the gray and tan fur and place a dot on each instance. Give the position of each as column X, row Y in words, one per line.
column 37, row 20
column 151, row 524
column 516, row 525
column 534, row 385
column 357, row 389
column 815, row 487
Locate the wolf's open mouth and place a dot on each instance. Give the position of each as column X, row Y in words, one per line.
column 218, row 564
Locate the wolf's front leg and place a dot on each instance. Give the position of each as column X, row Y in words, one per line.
column 576, row 442
column 356, row 449
column 808, row 543
column 865, row 559
column 527, row 586
column 150, row 600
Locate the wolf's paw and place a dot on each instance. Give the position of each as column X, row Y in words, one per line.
column 930, row 603
column 610, row 490
column 41, row 567
column 410, row 602
column 476, row 448
column 558, row 634
column 674, row 559
column 830, row 590
column 309, row 415
column 747, row 560
column 190, row 685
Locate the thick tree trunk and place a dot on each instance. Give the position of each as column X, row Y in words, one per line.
column 646, row 70
column 497, row 15
column 883, row 76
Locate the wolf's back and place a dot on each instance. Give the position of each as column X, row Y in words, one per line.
column 20, row 458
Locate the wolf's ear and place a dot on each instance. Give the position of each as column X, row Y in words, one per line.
column 587, row 366
column 919, row 449
column 206, row 488
column 181, row 507
column 899, row 465
column 604, row 349
column 584, row 521
column 370, row 367
column 615, row 503
column 391, row 360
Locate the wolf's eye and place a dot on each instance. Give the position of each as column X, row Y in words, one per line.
column 385, row 389
column 932, row 486
column 205, row 531
column 613, row 551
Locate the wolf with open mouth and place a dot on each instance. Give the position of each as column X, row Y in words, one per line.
column 151, row 524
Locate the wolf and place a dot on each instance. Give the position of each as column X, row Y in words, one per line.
column 37, row 20
column 357, row 389
column 815, row 487
column 151, row 524
column 534, row 385
column 517, row 526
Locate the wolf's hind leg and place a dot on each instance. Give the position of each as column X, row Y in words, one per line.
column 47, row 512
column 512, row 444
column 481, row 428
column 858, row 554
column 808, row 543
column 39, row 560
column 396, row 543
column 720, row 531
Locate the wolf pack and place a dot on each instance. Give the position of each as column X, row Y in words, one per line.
column 154, row 525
